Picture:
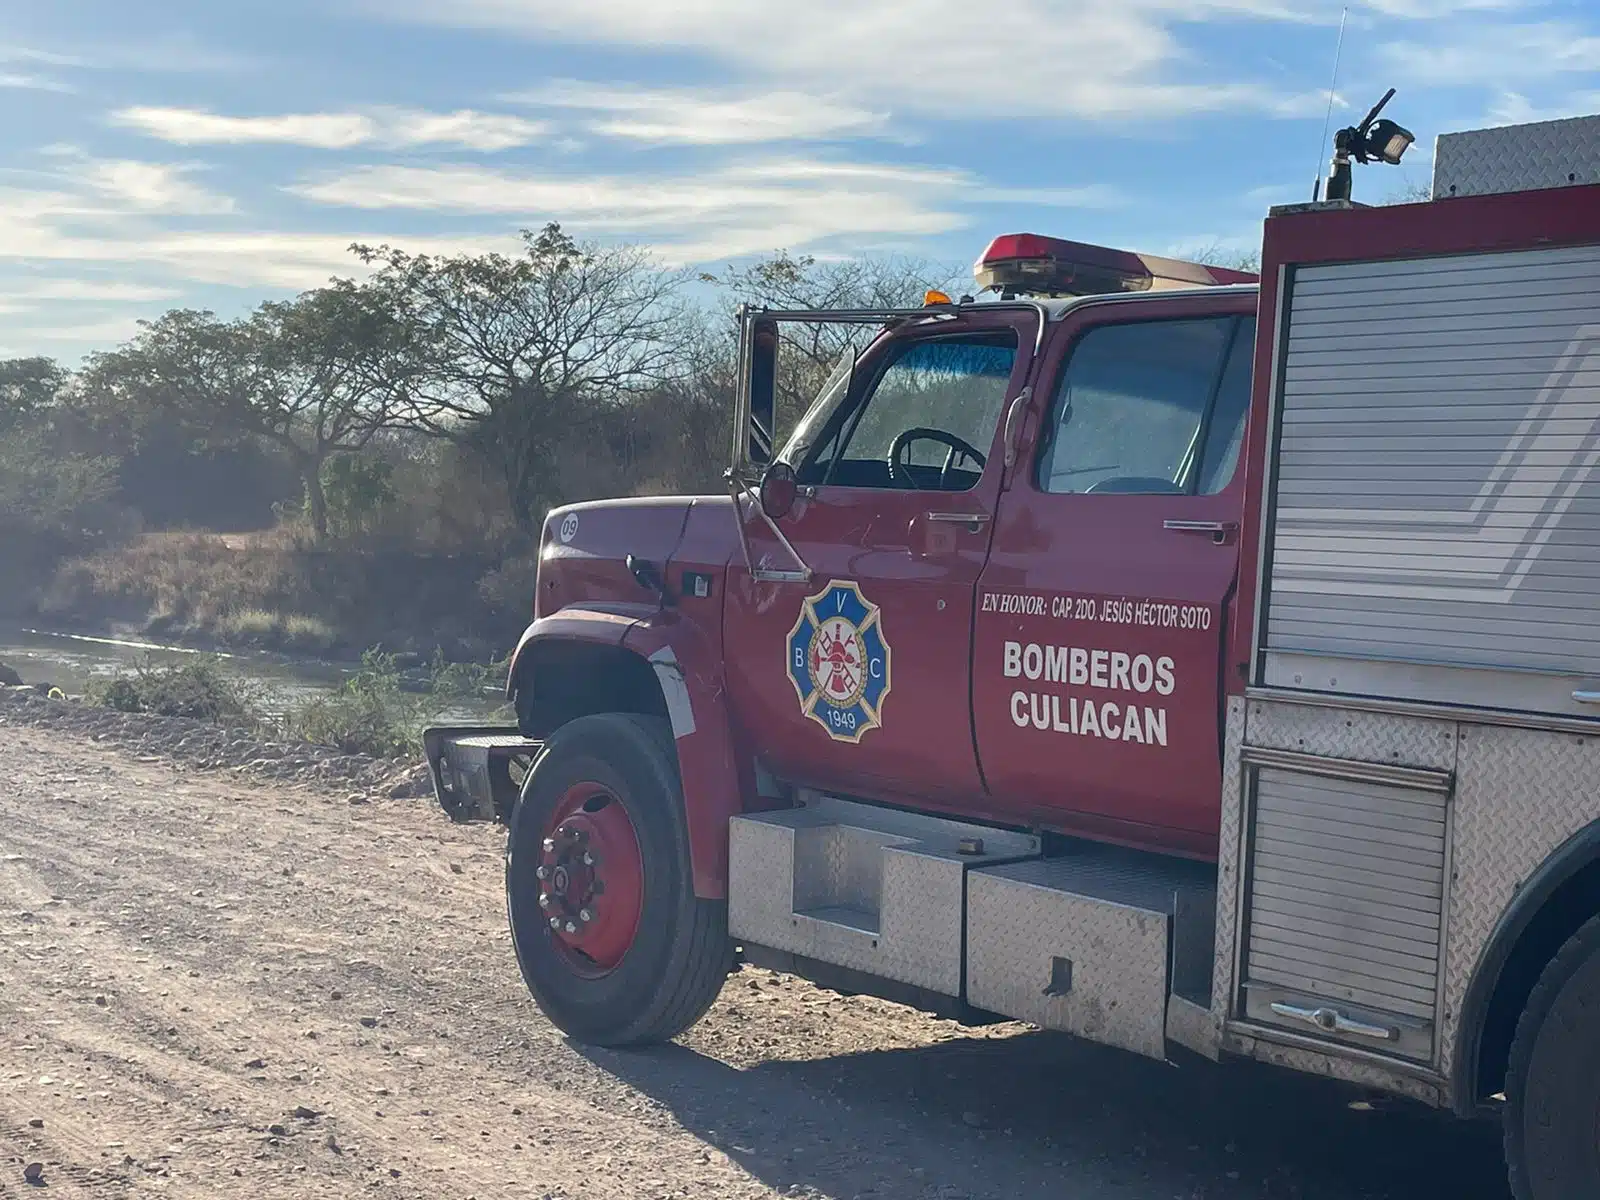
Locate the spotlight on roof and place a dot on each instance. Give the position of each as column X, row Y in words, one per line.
column 1373, row 140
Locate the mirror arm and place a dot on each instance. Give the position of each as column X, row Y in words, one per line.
column 736, row 490
column 741, row 491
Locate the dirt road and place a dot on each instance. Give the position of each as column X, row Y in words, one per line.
column 186, row 961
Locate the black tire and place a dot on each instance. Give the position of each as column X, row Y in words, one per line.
column 681, row 953
column 1552, row 1113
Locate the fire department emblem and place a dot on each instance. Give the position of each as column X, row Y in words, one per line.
column 839, row 661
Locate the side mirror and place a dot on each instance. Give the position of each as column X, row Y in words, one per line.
column 761, row 382
column 778, row 490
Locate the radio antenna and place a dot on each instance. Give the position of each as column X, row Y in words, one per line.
column 1338, row 49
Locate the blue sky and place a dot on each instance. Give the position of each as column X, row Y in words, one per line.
column 214, row 153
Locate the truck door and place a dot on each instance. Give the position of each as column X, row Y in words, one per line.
column 1099, row 625
column 857, row 680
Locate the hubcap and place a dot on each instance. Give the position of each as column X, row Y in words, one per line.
column 591, row 879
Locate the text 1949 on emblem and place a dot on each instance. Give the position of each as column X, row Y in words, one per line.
column 838, row 661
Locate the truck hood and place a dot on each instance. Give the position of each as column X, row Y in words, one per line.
column 585, row 547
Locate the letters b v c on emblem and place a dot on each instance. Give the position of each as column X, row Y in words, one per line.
column 839, row 661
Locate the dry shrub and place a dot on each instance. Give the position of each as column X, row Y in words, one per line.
column 199, row 689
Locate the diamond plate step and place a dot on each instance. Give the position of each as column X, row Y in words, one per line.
column 871, row 889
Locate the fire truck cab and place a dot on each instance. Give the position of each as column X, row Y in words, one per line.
column 1148, row 653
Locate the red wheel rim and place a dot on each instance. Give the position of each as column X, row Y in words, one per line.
column 591, row 879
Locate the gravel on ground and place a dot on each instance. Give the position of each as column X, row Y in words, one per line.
column 226, row 983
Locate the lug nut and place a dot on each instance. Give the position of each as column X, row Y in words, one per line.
column 571, row 928
column 588, row 859
column 585, row 915
column 549, row 845
column 544, row 899
column 555, row 922
column 541, row 873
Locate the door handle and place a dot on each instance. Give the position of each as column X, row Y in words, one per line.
column 1012, row 425
column 1219, row 531
column 1331, row 1020
column 955, row 518
column 1586, row 696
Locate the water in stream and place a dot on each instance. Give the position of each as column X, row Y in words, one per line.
column 70, row 661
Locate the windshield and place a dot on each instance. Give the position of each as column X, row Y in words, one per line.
column 827, row 402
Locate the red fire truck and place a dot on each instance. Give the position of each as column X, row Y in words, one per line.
column 1145, row 652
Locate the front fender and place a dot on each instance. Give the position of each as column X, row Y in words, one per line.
column 688, row 668
column 597, row 626
column 685, row 670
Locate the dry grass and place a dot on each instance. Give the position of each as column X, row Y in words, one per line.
column 275, row 590
column 297, row 632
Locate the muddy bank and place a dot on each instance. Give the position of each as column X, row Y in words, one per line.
column 208, row 747
column 269, row 591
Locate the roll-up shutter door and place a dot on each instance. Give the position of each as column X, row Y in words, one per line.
column 1437, row 504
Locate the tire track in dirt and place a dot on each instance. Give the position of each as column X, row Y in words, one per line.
column 188, row 991
column 231, row 914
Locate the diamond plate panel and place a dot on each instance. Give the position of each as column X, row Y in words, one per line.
column 838, row 866
column 1229, row 851
column 869, row 889
column 1520, row 794
column 1190, row 1025
column 1350, row 1070
column 1346, row 733
column 1111, row 925
column 1517, row 158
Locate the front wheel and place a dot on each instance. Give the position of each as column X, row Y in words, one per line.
column 1552, row 1115
column 611, row 939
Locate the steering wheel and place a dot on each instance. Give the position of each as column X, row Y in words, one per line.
column 959, row 448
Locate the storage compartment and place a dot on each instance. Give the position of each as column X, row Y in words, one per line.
column 870, row 889
column 1346, row 880
column 1435, row 513
column 1092, row 943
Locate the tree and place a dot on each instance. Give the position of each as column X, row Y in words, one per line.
column 28, row 386
column 1413, row 191
column 316, row 376
column 1234, row 259
column 810, row 352
column 46, row 486
column 515, row 353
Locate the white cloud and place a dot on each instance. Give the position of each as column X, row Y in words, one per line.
column 45, row 291
column 703, row 116
column 192, row 127
column 26, row 54
column 151, row 187
column 251, row 258
column 23, row 340
column 117, row 233
column 388, row 127
column 1513, row 108
column 486, row 132
column 1104, row 59
column 1430, row 10
column 170, row 53
column 725, row 212
column 28, row 82
column 1496, row 55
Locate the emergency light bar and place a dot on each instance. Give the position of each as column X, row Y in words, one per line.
column 1030, row 265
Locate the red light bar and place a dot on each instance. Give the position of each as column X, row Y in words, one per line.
column 1028, row 264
